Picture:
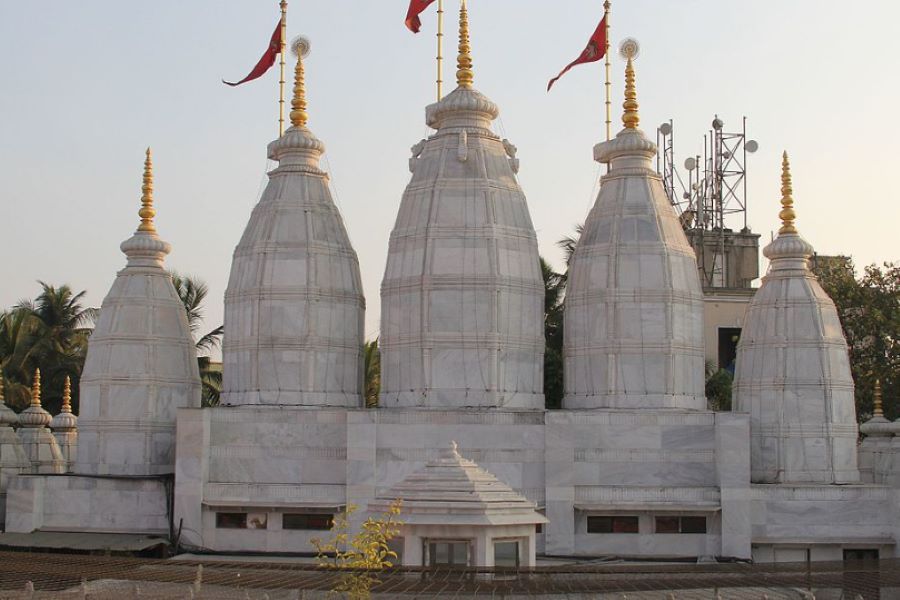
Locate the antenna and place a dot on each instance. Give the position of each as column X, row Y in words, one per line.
column 714, row 199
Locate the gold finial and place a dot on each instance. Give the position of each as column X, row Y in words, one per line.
column 36, row 388
column 879, row 411
column 299, row 118
column 629, row 49
column 67, row 396
column 464, row 75
column 787, row 214
column 147, row 211
column 2, row 397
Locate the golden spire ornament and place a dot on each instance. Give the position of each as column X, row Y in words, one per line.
column 147, row 211
column 787, row 214
column 67, row 396
column 464, row 75
column 300, row 47
column 629, row 49
column 2, row 396
column 36, row 388
column 879, row 409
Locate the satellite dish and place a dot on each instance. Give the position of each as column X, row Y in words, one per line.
column 665, row 129
column 690, row 164
column 751, row 146
column 718, row 124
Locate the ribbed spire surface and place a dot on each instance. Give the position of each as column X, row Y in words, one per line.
column 294, row 306
column 462, row 295
column 634, row 305
column 793, row 370
column 141, row 364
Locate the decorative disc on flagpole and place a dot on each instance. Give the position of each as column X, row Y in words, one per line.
column 629, row 48
column 301, row 46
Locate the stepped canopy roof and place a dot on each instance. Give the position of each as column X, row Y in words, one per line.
column 452, row 490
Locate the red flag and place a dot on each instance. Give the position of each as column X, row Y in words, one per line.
column 268, row 58
column 596, row 49
column 416, row 7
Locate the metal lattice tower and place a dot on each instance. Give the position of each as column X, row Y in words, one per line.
column 715, row 197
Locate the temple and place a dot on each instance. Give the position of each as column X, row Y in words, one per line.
column 634, row 464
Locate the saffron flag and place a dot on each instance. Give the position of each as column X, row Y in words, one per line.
column 416, row 7
column 268, row 58
column 595, row 50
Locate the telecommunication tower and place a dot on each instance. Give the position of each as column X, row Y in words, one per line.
column 714, row 200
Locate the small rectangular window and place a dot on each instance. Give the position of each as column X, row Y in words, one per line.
column 506, row 554
column 308, row 522
column 231, row 520
column 612, row 524
column 667, row 525
column 680, row 524
column 693, row 524
column 448, row 554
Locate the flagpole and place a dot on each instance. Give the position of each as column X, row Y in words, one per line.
column 606, row 6
column 440, row 50
column 281, row 80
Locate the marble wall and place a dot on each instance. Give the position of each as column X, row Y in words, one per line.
column 573, row 464
column 90, row 504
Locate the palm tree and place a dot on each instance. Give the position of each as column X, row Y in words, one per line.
column 569, row 242
column 193, row 292
column 554, row 295
column 15, row 336
column 372, row 358
column 50, row 332
column 554, row 291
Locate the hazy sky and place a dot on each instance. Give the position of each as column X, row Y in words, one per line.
column 85, row 86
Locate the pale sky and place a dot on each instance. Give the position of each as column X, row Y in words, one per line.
column 85, row 86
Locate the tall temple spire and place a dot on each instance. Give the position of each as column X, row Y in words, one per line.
column 787, row 214
column 464, row 75
column 792, row 333
column 147, row 211
column 299, row 118
column 129, row 404
column 630, row 50
column 36, row 389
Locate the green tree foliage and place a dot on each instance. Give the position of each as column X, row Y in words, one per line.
column 361, row 556
column 51, row 333
column 718, row 388
column 554, row 297
column 869, row 309
column 554, row 290
column 372, row 362
column 192, row 292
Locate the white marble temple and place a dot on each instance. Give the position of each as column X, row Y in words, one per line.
column 294, row 307
column 141, row 364
column 793, row 371
column 462, row 295
column 634, row 305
